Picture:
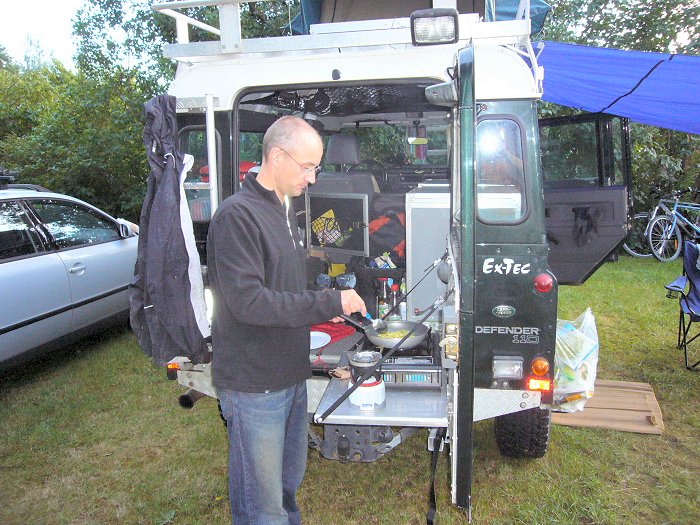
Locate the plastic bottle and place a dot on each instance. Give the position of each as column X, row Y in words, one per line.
column 395, row 314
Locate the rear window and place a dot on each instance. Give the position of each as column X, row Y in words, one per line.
column 500, row 171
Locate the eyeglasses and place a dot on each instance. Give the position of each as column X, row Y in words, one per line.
column 307, row 170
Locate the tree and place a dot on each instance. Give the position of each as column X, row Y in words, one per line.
column 660, row 157
column 661, row 26
column 27, row 95
column 123, row 33
column 89, row 144
column 128, row 33
column 5, row 58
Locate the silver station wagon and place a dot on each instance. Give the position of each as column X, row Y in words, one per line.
column 65, row 268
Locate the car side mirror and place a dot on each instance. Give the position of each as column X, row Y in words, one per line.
column 126, row 228
column 124, row 231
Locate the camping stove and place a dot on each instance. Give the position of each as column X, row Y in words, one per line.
column 415, row 368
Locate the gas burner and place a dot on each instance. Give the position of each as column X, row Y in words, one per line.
column 414, row 360
column 422, row 350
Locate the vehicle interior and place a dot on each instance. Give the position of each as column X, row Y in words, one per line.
column 380, row 142
column 378, row 138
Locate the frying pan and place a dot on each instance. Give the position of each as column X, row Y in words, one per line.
column 416, row 338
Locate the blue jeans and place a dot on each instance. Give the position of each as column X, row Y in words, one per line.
column 267, row 435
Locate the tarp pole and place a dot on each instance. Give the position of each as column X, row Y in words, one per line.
column 211, row 155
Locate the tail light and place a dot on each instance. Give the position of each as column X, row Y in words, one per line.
column 171, row 370
column 539, row 385
column 543, row 283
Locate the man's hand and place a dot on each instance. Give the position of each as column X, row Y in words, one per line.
column 352, row 302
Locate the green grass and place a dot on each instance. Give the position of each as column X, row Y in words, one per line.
column 93, row 435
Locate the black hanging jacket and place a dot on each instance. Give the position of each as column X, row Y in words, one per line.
column 167, row 317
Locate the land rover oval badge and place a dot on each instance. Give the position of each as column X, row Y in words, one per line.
column 503, row 311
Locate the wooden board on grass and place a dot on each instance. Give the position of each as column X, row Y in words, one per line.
column 618, row 405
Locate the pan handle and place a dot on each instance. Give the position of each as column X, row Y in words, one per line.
column 354, row 322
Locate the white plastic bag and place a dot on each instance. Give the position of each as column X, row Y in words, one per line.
column 575, row 362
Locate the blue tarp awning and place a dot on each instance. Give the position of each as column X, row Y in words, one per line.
column 657, row 89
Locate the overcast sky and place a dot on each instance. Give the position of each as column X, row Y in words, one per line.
column 47, row 22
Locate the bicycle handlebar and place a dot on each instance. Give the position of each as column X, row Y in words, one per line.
column 677, row 194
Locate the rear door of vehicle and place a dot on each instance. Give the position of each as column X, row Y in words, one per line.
column 586, row 170
column 99, row 262
column 35, row 300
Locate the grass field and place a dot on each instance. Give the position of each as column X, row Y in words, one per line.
column 93, row 435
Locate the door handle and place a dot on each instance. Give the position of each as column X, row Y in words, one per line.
column 78, row 269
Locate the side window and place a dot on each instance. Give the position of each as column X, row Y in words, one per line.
column 71, row 224
column 585, row 151
column 427, row 145
column 569, row 153
column 193, row 141
column 500, row 175
column 249, row 153
column 16, row 238
column 250, row 147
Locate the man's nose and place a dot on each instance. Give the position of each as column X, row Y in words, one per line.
column 311, row 177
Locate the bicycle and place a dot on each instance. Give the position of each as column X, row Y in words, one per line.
column 665, row 233
column 636, row 243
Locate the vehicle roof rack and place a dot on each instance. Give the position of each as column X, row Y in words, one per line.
column 35, row 187
column 385, row 32
column 6, row 177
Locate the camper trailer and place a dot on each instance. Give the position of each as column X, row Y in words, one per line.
column 428, row 112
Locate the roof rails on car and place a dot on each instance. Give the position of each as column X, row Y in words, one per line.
column 7, row 178
column 34, row 187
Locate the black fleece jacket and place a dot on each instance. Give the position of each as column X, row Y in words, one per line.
column 262, row 309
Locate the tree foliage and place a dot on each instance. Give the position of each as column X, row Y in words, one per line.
column 80, row 133
column 26, row 96
column 660, row 157
column 87, row 143
column 112, row 33
column 123, row 33
column 661, row 26
column 5, row 59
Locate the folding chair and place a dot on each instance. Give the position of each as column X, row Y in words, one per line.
column 689, row 301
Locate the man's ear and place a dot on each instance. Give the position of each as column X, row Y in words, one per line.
column 274, row 156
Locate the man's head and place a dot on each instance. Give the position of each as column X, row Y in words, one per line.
column 292, row 151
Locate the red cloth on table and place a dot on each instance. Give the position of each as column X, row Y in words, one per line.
column 337, row 331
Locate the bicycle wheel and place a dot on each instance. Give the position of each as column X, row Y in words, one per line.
column 664, row 240
column 636, row 242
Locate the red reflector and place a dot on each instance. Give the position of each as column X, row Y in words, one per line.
column 542, row 385
column 173, row 366
column 543, row 282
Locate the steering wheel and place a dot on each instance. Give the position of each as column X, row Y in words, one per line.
column 375, row 167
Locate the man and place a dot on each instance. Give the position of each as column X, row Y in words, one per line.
column 260, row 328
